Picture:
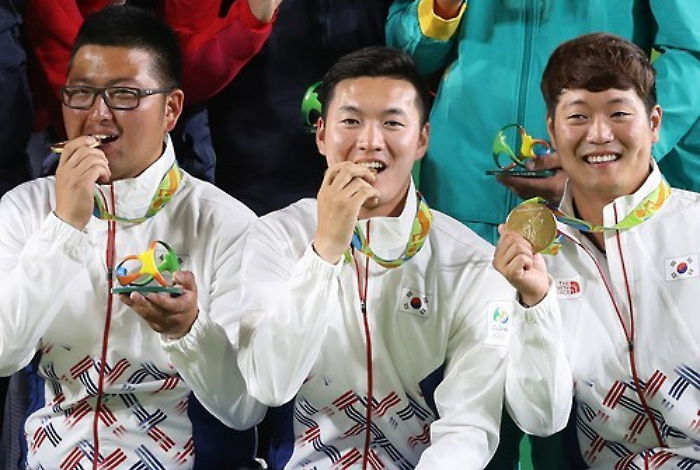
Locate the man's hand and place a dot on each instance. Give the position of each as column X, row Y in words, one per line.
column 171, row 316
column 447, row 9
column 345, row 188
column 551, row 188
column 525, row 270
column 79, row 168
column 264, row 10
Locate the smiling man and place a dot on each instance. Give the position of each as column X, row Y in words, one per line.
column 114, row 375
column 377, row 322
column 627, row 270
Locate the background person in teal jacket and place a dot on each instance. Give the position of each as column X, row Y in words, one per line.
column 492, row 54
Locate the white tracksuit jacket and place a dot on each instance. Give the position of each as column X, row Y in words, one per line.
column 653, row 275
column 440, row 320
column 54, row 294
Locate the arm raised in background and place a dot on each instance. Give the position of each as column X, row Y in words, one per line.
column 677, row 69
column 51, row 28
column 425, row 29
column 214, row 48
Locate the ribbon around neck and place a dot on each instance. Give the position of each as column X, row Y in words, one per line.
column 642, row 212
column 164, row 192
column 419, row 232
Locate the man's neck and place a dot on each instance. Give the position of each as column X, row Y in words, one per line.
column 590, row 210
column 386, row 210
column 588, row 205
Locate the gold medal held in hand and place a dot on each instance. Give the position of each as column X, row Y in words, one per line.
column 535, row 223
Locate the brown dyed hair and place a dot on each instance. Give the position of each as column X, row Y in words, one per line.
column 598, row 62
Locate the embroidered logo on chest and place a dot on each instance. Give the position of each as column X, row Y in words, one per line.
column 498, row 319
column 569, row 287
column 683, row 267
column 415, row 303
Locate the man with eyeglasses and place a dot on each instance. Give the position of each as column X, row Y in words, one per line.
column 113, row 376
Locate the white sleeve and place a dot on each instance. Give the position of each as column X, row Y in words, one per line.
column 35, row 267
column 539, row 384
column 206, row 360
column 290, row 302
column 206, row 357
column 470, row 397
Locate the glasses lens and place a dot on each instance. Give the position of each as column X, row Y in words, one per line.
column 122, row 98
column 78, row 97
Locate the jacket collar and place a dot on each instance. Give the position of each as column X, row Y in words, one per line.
column 624, row 204
column 133, row 196
column 389, row 235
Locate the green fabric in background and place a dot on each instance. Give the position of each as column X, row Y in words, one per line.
column 525, row 455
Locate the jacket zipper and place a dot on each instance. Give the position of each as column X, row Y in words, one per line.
column 362, row 285
column 110, row 256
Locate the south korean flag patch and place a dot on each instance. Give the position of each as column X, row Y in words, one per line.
column 415, row 303
column 683, row 267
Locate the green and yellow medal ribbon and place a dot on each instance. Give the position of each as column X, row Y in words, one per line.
column 419, row 233
column 167, row 187
column 642, row 212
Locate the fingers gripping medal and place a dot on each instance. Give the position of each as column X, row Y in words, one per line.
column 150, row 271
column 535, row 222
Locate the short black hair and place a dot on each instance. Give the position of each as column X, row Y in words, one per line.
column 376, row 61
column 132, row 27
column 597, row 62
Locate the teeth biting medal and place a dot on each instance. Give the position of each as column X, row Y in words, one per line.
column 99, row 140
column 374, row 167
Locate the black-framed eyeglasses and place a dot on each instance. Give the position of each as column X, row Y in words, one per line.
column 115, row 97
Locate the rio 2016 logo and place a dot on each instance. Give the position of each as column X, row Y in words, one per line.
column 500, row 316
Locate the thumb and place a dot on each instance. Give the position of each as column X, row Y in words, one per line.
column 185, row 279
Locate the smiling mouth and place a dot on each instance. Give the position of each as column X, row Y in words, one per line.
column 599, row 159
column 375, row 167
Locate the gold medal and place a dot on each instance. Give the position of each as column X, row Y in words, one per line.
column 99, row 139
column 535, row 223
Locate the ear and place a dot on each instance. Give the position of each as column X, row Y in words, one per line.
column 321, row 136
column 655, row 121
column 550, row 130
column 174, row 102
column 423, row 139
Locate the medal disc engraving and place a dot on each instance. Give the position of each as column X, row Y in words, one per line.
column 535, row 223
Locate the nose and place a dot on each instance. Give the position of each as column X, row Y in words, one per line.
column 600, row 131
column 99, row 110
column 371, row 138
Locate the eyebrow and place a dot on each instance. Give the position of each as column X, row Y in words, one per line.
column 389, row 111
column 612, row 101
column 111, row 83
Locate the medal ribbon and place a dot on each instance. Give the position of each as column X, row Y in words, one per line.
column 167, row 187
column 419, row 232
column 649, row 206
